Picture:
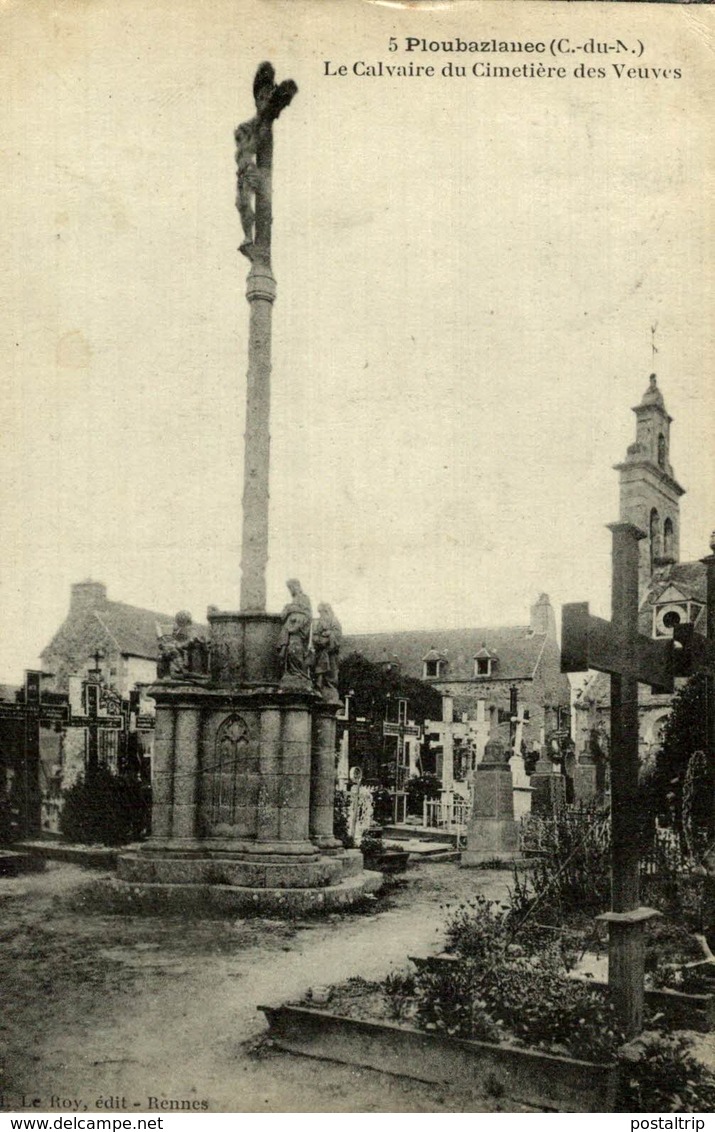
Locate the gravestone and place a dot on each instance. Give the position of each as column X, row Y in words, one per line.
column 548, row 785
column 492, row 832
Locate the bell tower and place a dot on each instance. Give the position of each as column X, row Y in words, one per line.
column 650, row 493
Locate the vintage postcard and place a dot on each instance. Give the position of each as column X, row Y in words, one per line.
column 349, row 762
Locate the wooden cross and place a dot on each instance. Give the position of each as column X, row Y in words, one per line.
column 616, row 647
column 694, row 653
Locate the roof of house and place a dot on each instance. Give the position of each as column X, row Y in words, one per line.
column 517, row 650
column 132, row 630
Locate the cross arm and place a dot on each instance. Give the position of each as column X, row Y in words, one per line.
column 271, row 99
column 692, row 651
column 590, row 642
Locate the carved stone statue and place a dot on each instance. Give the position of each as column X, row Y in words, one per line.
column 183, row 653
column 327, row 636
column 294, row 640
column 254, row 173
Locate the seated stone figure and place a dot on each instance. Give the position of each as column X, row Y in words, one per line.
column 183, row 653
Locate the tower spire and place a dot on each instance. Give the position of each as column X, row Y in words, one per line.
column 649, row 491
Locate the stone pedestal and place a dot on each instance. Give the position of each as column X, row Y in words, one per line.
column 549, row 793
column 243, row 786
column 549, row 787
column 584, row 780
column 492, row 833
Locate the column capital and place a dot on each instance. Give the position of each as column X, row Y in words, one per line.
column 260, row 284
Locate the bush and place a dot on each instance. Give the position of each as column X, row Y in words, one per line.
column 529, row 998
column 572, row 877
column 448, row 1000
column 341, row 806
column 399, row 989
column 661, row 1075
column 476, row 930
column 544, row 1008
column 421, row 787
column 105, row 809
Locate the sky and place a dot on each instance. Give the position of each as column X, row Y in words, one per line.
column 468, row 271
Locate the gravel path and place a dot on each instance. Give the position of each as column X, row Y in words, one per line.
column 107, row 1011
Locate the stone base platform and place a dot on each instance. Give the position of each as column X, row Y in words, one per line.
column 491, row 839
column 170, row 877
column 14, row 864
column 149, row 864
column 219, row 900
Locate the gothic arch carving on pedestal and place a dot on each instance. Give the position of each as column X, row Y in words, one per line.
column 229, row 765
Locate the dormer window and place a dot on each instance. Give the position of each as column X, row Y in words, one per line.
column 484, row 662
column 434, row 665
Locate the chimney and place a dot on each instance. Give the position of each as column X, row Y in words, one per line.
column 542, row 616
column 87, row 595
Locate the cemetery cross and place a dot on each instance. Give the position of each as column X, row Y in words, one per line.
column 400, row 729
column 630, row 658
column 94, row 723
column 254, row 160
column 33, row 711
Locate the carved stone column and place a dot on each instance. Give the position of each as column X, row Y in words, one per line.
column 186, row 748
column 322, row 777
column 162, row 784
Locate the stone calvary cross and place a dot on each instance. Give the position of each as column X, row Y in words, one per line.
column 616, row 647
column 254, row 161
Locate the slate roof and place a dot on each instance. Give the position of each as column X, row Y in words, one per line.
column 516, row 648
column 133, row 631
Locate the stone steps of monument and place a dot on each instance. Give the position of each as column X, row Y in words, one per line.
column 409, row 832
column 14, row 864
column 90, row 856
column 422, row 849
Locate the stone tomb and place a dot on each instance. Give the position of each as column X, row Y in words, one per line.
column 492, row 833
column 243, row 784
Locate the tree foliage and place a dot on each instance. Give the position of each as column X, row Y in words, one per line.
column 372, row 683
column 684, row 733
column 105, row 809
